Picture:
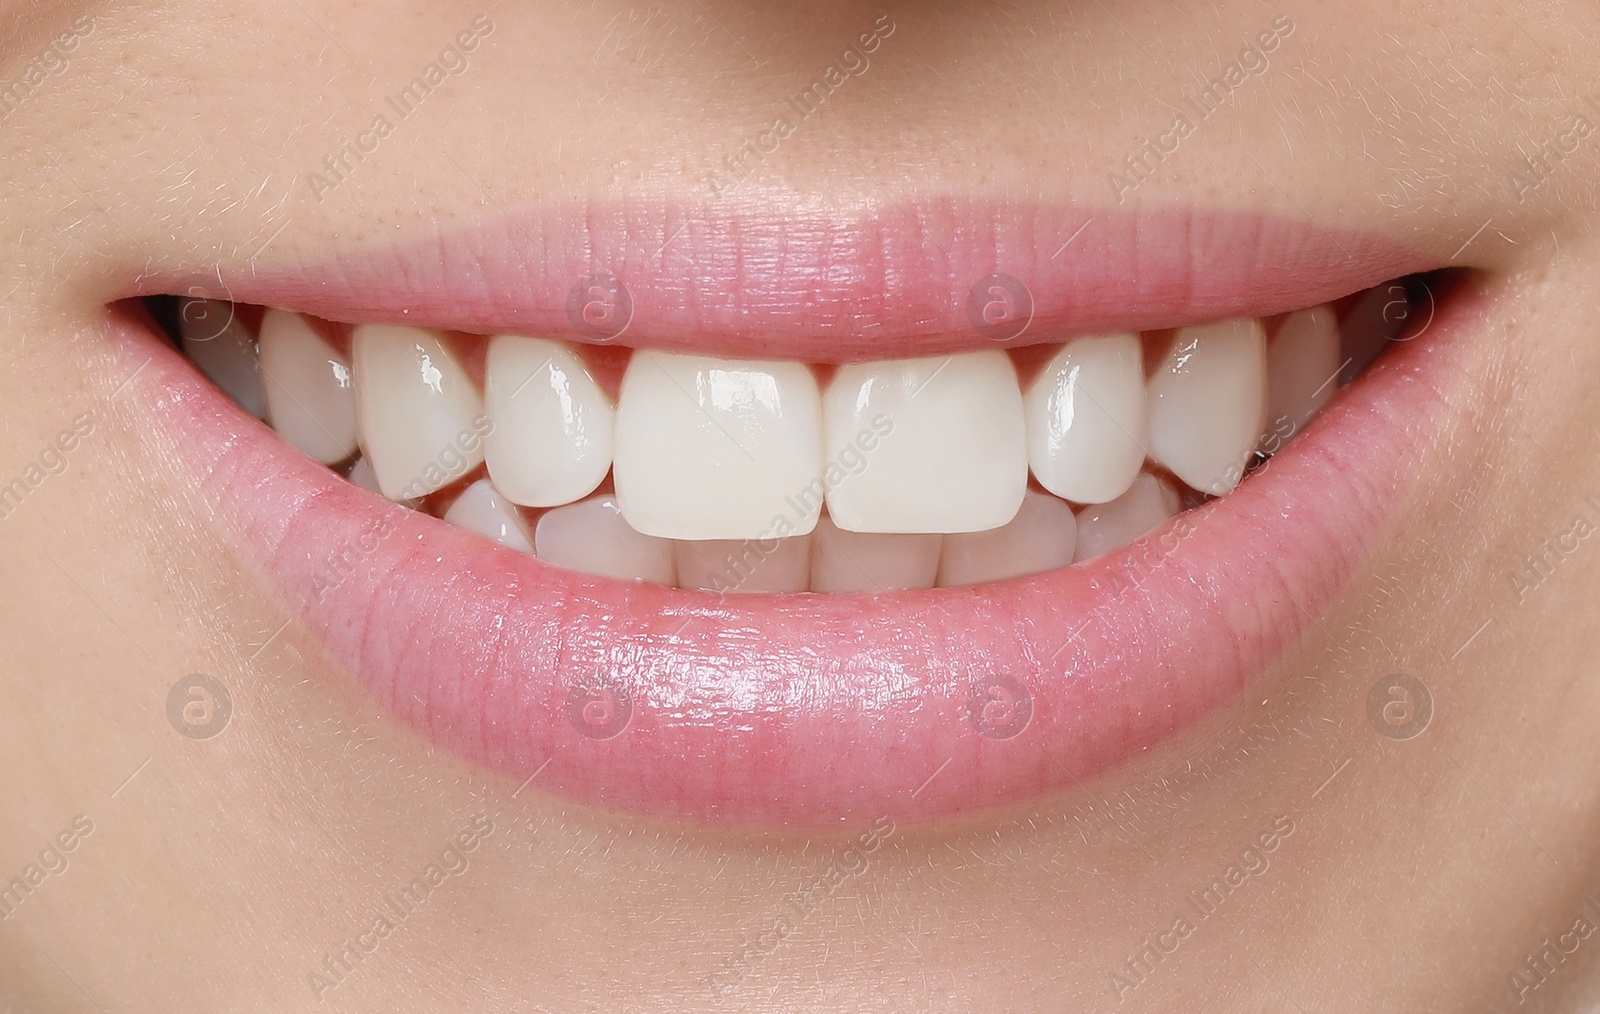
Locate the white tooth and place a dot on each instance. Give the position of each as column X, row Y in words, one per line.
column 925, row 445
column 1086, row 419
column 421, row 417
column 481, row 508
column 553, row 426
column 746, row 565
column 1040, row 538
column 220, row 346
column 1208, row 402
column 1147, row 503
column 1302, row 372
column 718, row 449
column 361, row 474
column 309, row 397
column 844, row 561
column 592, row 537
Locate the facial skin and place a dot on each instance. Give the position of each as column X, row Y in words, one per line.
column 1415, row 874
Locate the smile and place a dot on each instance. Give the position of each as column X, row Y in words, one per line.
column 777, row 549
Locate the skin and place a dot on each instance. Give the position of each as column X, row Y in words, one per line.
column 1418, row 874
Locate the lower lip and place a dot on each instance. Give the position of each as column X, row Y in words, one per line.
column 804, row 711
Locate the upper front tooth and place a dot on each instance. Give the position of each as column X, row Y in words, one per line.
column 553, row 426
column 1302, row 371
column 718, row 449
column 420, row 415
column 1086, row 419
column 221, row 347
column 309, row 398
column 925, row 445
column 1208, row 401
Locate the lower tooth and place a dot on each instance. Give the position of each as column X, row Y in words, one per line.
column 844, row 561
column 1302, row 372
column 746, row 565
column 421, row 418
column 1147, row 503
column 481, row 508
column 1208, row 402
column 220, row 347
column 309, row 398
column 592, row 537
column 1041, row 537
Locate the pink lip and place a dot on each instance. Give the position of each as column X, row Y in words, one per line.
column 827, row 287
column 802, row 711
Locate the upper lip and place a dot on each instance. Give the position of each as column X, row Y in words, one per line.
column 817, row 286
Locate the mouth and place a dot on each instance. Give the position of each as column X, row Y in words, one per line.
column 843, row 541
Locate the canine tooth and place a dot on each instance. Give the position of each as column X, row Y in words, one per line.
column 1086, row 417
column 1041, row 537
column 1302, row 372
column 592, row 537
column 716, row 448
column 481, row 508
column 1147, row 503
column 421, row 418
column 844, row 561
column 746, row 565
column 1207, row 403
column 941, row 440
column 553, row 426
column 220, row 346
column 309, row 397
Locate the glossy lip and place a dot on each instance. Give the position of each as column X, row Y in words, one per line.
column 803, row 711
column 826, row 286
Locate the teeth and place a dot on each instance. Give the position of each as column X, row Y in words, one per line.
column 481, row 508
column 1147, row 503
column 218, row 344
column 925, row 445
column 593, row 538
column 552, row 437
column 1302, row 368
column 309, row 398
column 1208, row 403
column 844, row 561
column 718, row 449
column 1041, row 537
column 1086, row 416
column 421, row 418
column 745, row 565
